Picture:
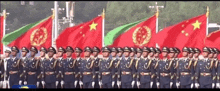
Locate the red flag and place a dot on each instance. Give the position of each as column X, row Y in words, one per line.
column 139, row 35
column 1, row 33
column 86, row 34
column 189, row 33
column 38, row 34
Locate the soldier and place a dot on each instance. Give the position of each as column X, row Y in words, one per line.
column 153, row 73
column 190, row 56
column 87, row 69
column 215, row 58
column 78, row 82
column 23, row 66
column 144, row 69
column 4, row 70
column 119, row 54
column 114, row 52
column 196, row 59
column 50, row 69
column 106, row 69
column 1, row 71
column 33, row 67
column 204, row 71
column 171, row 55
column 96, row 51
column 164, row 70
column 13, row 67
column 68, row 68
column 184, row 70
column 126, row 70
column 41, row 59
column 138, row 58
column 132, row 56
column 156, row 58
column 210, row 57
column 175, row 59
column 59, row 76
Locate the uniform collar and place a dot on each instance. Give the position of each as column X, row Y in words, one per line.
column 7, row 58
column 24, row 57
column 95, row 58
column 126, row 58
column 42, row 58
column 145, row 58
column 87, row 59
column 106, row 58
column 51, row 58
column 114, row 58
column 78, row 58
column 60, row 58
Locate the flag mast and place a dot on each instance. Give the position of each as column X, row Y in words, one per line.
column 55, row 23
column 4, row 15
column 103, row 26
column 207, row 23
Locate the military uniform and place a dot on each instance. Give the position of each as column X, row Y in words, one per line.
column 126, row 71
column 50, row 70
column 144, row 70
column 41, row 67
column 114, row 75
column 78, row 66
column 134, row 61
column 155, row 70
column 204, row 72
column 217, row 69
column 1, row 72
column 5, row 75
column 87, row 71
column 23, row 67
column 96, row 65
column 59, row 76
column 119, row 49
column 184, row 71
column 164, row 71
column 33, row 69
column 13, row 70
column 175, row 59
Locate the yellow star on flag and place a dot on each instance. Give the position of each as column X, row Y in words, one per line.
column 196, row 25
column 93, row 26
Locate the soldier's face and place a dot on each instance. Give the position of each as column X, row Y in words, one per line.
column 120, row 54
column 132, row 54
column 156, row 55
column 190, row 55
column 87, row 54
column 113, row 54
column 151, row 54
column 95, row 54
column 126, row 54
column 7, row 54
column 68, row 54
column 50, row 54
column 175, row 55
column 196, row 55
column 42, row 54
column 171, row 54
column 139, row 55
column 14, row 53
column 105, row 54
column 77, row 54
column 185, row 54
column 144, row 54
column 205, row 54
column 24, row 54
column 32, row 54
column 215, row 55
column 60, row 54
column 164, row 54
column 210, row 55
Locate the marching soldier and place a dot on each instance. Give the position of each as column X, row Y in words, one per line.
column 59, row 76
column 126, row 70
column 41, row 59
column 5, row 74
column 87, row 69
column 184, row 70
column 23, row 66
column 144, row 69
column 120, row 56
column 114, row 52
column 138, row 58
column 164, row 70
column 78, row 82
column 132, row 56
column 171, row 55
column 175, row 59
column 210, row 57
column 215, row 58
column 204, row 71
column 190, row 56
column 1, row 71
column 156, row 58
column 68, row 68
column 153, row 74
column 33, row 67
column 50, row 70
column 96, row 51
column 196, row 59
column 13, row 67
column 106, row 69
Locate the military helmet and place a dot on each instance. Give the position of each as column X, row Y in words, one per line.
column 197, row 50
column 172, row 50
column 77, row 49
column 96, row 49
column 216, row 50
column 212, row 50
column 34, row 49
column 61, row 49
column 14, row 48
column 206, row 49
column 106, row 49
column 185, row 49
column 120, row 49
column 87, row 49
column 177, row 50
column 52, row 49
column 133, row 50
column 146, row 49
column 43, row 49
column 165, row 49
column 191, row 50
column 126, row 49
column 152, row 49
column 24, row 49
column 69, row 49
column 7, row 51
column 139, row 50
column 113, row 49
column 158, row 50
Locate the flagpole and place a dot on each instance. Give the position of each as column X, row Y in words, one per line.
column 55, row 23
column 4, row 15
column 103, row 26
column 207, row 23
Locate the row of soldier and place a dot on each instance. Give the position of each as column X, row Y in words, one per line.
column 118, row 68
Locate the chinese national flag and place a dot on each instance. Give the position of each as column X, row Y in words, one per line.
column 82, row 35
column 139, row 35
column 189, row 33
column 1, row 32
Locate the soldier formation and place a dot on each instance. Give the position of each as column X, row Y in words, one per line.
column 117, row 68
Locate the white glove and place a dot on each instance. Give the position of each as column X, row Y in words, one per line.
column 158, row 84
column 62, row 82
column 75, row 83
column 151, row 84
column 100, row 83
column 213, row 85
column 20, row 82
column 1, row 83
column 57, row 83
column 217, row 85
column 177, row 84
column 38, row 84
column 25, row 82
column 191, row 85
column 93, row 84
column 43, row 83
column 138, row 83
column 113, row 83
column 197, row 85
column 118, row 83
column 171, row 83
column 132, row 83
column 80, row 83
